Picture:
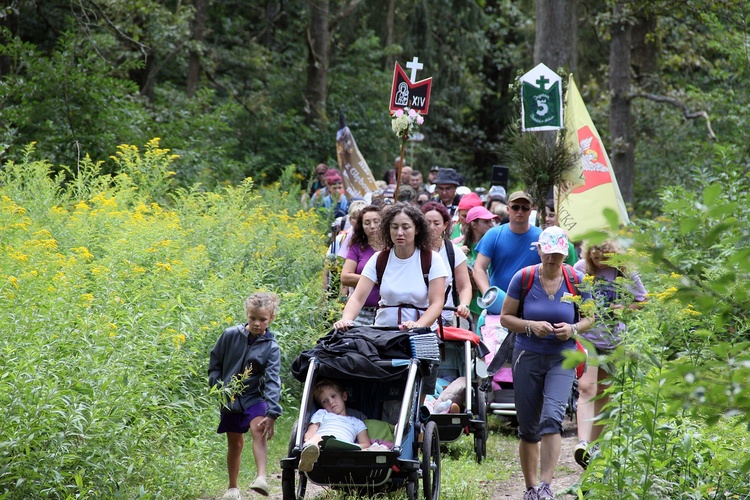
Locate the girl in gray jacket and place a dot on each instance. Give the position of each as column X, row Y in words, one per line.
column 250, row 354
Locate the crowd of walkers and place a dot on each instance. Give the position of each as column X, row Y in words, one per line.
column 408, row 255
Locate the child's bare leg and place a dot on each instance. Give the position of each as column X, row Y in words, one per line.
column 260, row 446
column 316, row 439
column 235, row 443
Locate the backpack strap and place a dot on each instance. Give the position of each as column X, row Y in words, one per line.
column 380, row 265
column 450, row 252
column 571, row 279
column 425, row 259
column 527, row 281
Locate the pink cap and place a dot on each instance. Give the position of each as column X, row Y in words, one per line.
column 468, row 201
column 479, row 213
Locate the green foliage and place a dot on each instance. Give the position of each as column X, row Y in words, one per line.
column 680, row 410
column 112, row 302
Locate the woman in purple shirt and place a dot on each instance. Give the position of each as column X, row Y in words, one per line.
column 543, row 315
column 363, row 245
column 605, row 337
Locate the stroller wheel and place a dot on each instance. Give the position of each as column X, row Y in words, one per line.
column 290, row 490
column 480, row 435
column 431, row 462
column 411, row 490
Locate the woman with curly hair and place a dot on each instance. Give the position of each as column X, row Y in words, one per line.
column 605, row 336
column 405, row 234
column 365, row 241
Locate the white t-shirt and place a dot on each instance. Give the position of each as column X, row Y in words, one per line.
column 342, row 427
column 403, row 284
column 460, row 258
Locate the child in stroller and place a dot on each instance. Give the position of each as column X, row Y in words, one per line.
column 331, row 420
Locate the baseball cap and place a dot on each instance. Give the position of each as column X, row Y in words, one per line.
column 469, row 201
column 434, row 168
column 520, row 195
column 553, row 240
column 479, row 213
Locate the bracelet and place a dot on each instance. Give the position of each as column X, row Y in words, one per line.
column 575, row 330
column 529, row 332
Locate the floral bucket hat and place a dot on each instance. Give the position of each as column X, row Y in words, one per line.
column 553, row 240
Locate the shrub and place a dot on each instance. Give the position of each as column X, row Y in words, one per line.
column 111, row 302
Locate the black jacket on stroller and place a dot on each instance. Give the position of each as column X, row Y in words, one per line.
column 362, row 352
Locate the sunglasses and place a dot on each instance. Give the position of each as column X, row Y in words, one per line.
column 516, row 208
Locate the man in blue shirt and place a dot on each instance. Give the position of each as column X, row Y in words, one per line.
column 506, row 249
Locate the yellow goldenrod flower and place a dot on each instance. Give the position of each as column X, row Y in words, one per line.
column 13, row 281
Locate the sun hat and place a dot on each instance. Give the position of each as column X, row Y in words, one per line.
column 520, row 195
column 469, row 201
column 479, row 213
column 462, row 190
column 448, row 176
column 553, row 240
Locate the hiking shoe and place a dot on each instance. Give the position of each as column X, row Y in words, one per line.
column 531, row 494
column 581, row 453
column 260, row 486
column 233, row 493
column 308, row 457
column 545, row 492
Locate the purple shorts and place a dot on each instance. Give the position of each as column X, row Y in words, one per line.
column 240, row 422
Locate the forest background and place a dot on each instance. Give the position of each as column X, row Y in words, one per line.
column 171, row 141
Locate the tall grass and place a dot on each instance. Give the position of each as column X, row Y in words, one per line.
column 110, row 303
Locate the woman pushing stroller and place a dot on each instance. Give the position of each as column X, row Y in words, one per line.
column 405, row 235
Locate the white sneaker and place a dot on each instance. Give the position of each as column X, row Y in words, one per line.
column 308, row 457
column 260, row 485
column 233, row 493
column 581, row 453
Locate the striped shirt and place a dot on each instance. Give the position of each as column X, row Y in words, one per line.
column 344, row 428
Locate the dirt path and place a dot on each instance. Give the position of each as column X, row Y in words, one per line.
column 568, row 472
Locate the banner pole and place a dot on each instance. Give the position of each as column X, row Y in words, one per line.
column 398, row 172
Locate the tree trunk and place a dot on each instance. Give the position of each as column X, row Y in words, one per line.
column 199, row 30
column 645, row 53
column 390, row 60
column 317, row 62
column 555, row 45
column 620, row 118
column 556, row 34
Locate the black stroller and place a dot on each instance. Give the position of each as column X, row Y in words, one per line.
column 382, row 370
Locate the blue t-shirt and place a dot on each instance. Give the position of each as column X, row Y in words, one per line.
column 538, row 307
column 508, row 252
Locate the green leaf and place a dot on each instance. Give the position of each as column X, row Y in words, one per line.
column 613, row 218
column 712, row 193
column 689, row 224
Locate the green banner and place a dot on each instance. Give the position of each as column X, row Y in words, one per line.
column 541, row 107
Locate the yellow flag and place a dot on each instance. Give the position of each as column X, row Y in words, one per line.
column 587, row 192
column 358, row 179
